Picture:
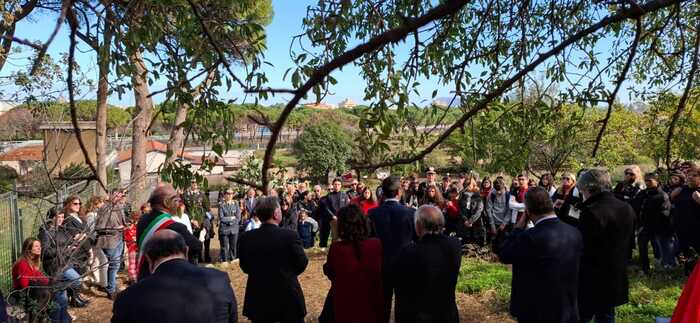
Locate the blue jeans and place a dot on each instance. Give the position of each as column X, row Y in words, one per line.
column 114, row 256
column 72, row 278
column 60, row 313
column 601, row 316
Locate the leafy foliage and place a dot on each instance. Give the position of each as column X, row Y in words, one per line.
column 322, row 148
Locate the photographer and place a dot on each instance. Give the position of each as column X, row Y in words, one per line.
column 109, row 226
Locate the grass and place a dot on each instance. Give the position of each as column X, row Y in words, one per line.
column 650, row 296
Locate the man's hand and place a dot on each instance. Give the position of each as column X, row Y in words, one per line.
column 696, row 197
column 502, row 227
column 468, row 224
column 522, row 222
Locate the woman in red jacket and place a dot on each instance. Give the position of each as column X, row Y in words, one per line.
column 366, row 200
column 28, row 280
column 354, row 267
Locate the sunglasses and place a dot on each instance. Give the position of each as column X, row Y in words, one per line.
column 566, row 178
column 627, row 173
column 76, row 203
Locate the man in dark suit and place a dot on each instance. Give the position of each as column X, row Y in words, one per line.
column 425, row 273
column 394, row 226
column 273, row 258
column 176, row 291
column 607, row 226
column 328, row 208
column 545, row 264
column 163, row 202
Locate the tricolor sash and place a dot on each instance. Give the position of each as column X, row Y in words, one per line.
column 161, row 221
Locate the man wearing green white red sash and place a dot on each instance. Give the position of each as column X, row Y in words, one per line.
column 164, row 201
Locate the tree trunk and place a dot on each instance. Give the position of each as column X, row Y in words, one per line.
column 143, row 114
column 101, row 112
column 177, row 133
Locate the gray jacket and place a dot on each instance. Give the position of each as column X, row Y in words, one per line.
column 109, row 225
column 229, row 217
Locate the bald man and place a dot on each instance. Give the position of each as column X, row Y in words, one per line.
column 163, row 202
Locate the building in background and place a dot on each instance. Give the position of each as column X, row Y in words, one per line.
column 61, row 148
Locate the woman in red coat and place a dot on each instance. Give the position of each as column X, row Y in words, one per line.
column 28, row 280
column 354, row 266
column 366, row 200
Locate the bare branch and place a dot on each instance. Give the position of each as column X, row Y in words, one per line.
column 684, row 98
column 620, row 15
column 618, row 83
column 71, row 95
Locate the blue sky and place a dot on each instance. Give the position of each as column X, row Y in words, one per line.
column 285, row 24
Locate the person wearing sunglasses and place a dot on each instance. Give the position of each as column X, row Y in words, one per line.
column 631, row 184
column 78, row 248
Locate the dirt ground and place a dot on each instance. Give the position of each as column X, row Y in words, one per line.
column 314, row 284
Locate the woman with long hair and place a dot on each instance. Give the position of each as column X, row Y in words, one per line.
column 354, row 267
column 433, row 197
column 566, row 199
column 366, row 200
column 547, row 181
column 29, row 282
column 98, row 260
column 486, row 187
column 76, row 228
column 471, row 206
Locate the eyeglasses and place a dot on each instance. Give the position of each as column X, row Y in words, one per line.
column 76, row 203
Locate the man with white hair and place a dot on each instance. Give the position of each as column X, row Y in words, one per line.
column 425, row 272
column 607, row 227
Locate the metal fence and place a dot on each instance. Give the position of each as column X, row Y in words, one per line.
column 10, row 238
column 22, row 217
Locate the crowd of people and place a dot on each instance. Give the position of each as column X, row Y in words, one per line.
column 401, row 243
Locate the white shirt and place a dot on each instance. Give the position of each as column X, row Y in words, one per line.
column 184, row 219
column 551, row 216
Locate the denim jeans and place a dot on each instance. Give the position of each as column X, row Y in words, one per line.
column 600, row 316
column 60, row 313
column 72, row 277
column 114, row 256
column 663, row 243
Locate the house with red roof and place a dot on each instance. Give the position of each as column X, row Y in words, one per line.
column 155, row 158
column 23, row 158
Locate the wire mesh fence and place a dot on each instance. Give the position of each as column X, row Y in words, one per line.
column 10, row 238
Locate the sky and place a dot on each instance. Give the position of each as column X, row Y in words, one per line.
column 285, row 24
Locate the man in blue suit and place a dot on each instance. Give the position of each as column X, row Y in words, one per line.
column 394, row 225
column 545, row 262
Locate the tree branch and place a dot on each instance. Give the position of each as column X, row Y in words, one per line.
column 620, row 15
column 618, row 83
column 390, row 36
column 72, row 21
column 684, row 98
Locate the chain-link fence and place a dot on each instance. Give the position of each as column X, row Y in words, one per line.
column 10, row 238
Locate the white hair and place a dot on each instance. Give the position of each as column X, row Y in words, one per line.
column 430, row 218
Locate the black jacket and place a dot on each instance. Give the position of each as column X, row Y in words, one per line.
column 215, row 281
column 330, row 204
column 545, row 271
column 653, row 208
column 394, row 226
column 273, row 258
column 162, row 297
column 425, row 277
column 607, row 225
column 193, row 244
column 55, row 253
